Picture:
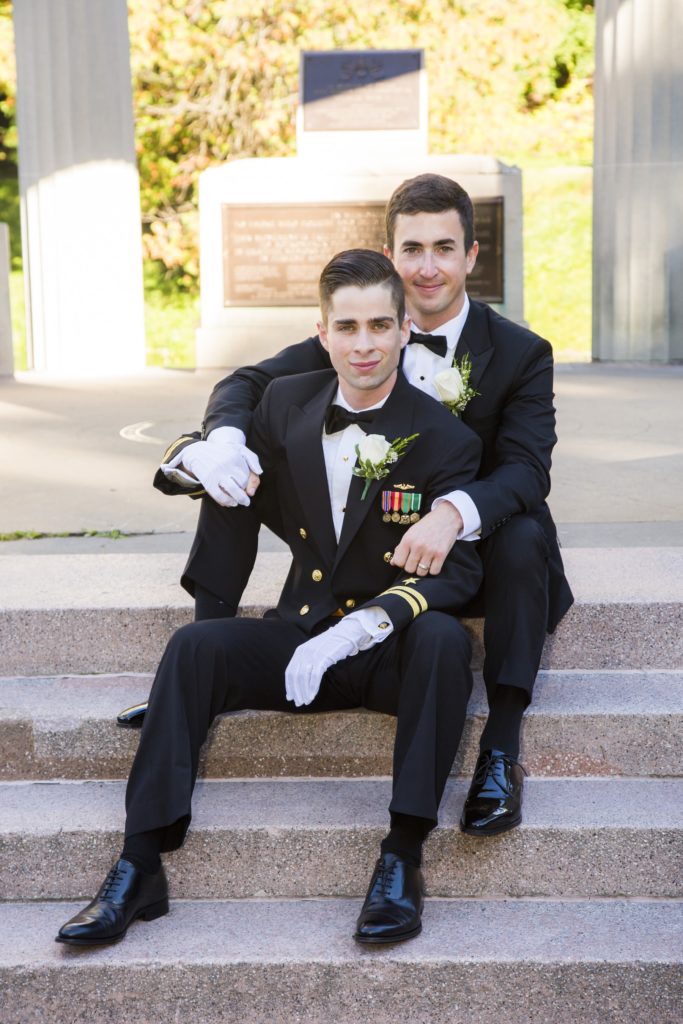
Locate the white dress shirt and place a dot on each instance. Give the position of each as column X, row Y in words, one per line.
column 421, row 365
column 339, row 452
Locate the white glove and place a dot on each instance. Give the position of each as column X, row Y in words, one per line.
column 223, row 469
column 311, row 660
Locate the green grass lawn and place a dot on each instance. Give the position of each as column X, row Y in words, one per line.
column 171, row 318
column 557, row 257
column 557, row 273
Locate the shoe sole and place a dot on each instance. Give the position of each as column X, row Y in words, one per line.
column 495, row 831
column 150, row 913
column 380, row 940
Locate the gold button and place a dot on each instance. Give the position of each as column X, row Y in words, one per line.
column 384, row 625
column 350, row 603
column 304, row 610
column 317, row 575
column 387, row 556
column 302, row 533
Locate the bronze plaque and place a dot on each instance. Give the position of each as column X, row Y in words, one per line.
column 487, row 280
column 273, row 254
column 360, row 90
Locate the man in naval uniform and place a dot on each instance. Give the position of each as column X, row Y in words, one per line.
column 350, row 629
column 430, row 239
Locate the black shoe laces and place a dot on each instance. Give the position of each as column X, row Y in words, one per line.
column 111, row 882
column 483, row 769
column 385, row 876
column 487, row 765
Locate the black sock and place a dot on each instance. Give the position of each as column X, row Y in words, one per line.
column 406, row 836
column 504, row 723
column 142, row 850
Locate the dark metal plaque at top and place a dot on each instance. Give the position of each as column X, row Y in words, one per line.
column 360, row 90
column 273, row 254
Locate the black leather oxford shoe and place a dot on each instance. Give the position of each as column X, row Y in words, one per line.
column 133, row 717
column 126, row 895
column 392, row 911
column 494, row 800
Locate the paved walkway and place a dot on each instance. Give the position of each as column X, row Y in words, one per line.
column 79, row 456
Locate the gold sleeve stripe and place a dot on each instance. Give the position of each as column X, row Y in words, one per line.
column 417, row 596
column 168, row 454
column 412, row 597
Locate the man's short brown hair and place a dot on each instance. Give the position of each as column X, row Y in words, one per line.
column 430, row 193
column 360, row 268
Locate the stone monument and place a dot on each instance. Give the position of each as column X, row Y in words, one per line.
column 268, row 226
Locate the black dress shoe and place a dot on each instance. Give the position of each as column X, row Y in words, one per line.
column 132, row 718
column 494, row 800
column 125, row 895
column 392, row 911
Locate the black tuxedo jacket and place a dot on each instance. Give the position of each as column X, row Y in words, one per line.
column 326, row 576
column 513, row 415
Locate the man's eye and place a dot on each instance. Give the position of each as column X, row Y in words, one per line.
column 411, row 250
column 447, row 250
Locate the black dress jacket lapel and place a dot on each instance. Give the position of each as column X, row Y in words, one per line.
column 475, row 340
column 307, row 468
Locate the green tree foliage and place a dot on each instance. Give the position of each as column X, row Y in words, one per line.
column 8, row 131
column 216, row 80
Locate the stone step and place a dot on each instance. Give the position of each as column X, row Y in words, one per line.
column 294, row 962
column 580, row 723
column 319, row 837
column 114, row 613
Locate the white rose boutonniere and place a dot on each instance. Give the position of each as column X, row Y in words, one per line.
column 376, row 454
column 453, row 386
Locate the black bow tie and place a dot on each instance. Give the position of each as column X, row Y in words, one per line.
column 337, row 418
column 438, row 343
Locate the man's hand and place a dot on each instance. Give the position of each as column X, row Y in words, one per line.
column 229, row 472
column 425, row 545
column 311, row 660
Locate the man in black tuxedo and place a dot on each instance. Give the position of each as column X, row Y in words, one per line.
column 430, row 240
column 350, row 629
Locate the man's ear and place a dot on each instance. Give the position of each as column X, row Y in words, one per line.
column 322, row 334
column 387, row 252
column 405, row 330
column 471, row 257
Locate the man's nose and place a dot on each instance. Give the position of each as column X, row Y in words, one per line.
column 364, row 341
column 428, row 265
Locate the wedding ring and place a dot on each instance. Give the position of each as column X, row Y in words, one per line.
column 421, row 565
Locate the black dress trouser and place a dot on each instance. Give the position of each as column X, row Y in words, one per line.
column 513, row 598
column 420, row 674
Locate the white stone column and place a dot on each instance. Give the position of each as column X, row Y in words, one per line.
column 80, row 201
column 6, row 350
column 638, row 181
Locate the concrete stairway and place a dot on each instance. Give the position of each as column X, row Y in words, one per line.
column 577, row 916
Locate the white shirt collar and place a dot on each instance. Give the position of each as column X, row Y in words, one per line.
column 452, row 329
column 340, row 400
